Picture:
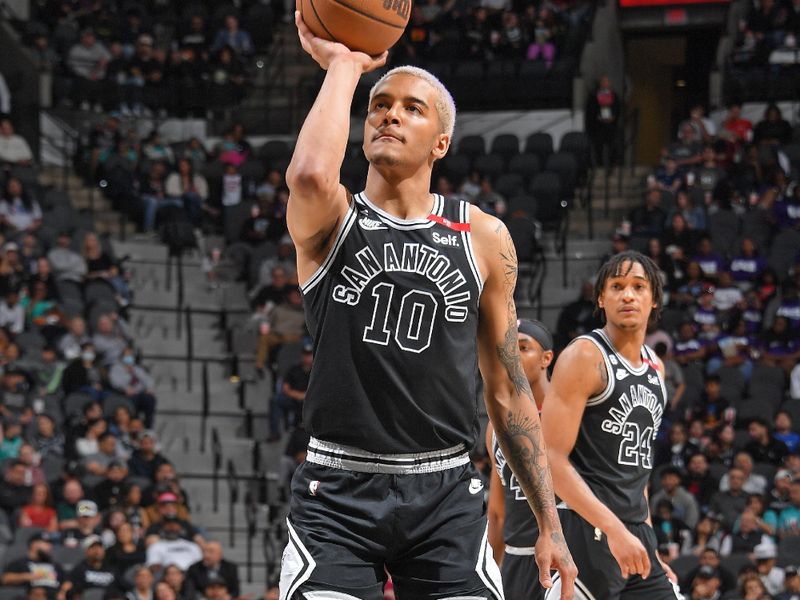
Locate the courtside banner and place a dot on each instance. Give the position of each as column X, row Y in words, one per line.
column 630, row 3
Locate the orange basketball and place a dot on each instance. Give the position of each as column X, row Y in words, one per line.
column 370, row 26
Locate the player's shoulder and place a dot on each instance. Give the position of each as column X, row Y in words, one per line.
column 582, row 351
column 487, row 231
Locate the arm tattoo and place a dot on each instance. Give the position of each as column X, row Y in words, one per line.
column 525, row 454
column 603, row 372
column 508, row 351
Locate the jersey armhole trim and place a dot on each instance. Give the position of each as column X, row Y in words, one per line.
column 661, row 376
column 604, row 395
column 466, row 238
column 344, row 228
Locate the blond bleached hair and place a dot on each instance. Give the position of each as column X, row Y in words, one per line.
column 445, row 105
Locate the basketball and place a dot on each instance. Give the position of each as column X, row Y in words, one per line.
column 370, row 26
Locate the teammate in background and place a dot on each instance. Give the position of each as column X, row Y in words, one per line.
column 406, row 295
column 603, row 410
column 512, row 528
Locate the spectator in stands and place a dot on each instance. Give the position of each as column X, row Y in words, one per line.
column 130, row 379
column 699, row 481
column 166, row 481
column 667, row 178
column 178, row 583
column 683, row 504
column 110, row 493
column 145, row 460
column 676, row 449
column 233, row 37
column 648, row 219
column 89, row 442
column 14, row 149
column 135, row 514
column 47, row 440
column 14, row 491
column 88, row 61
column 189, row 188
column 196, row 36
column 779, row 344
column 95, row 571
column 753, row 482
column 602, row 122
column 227, row 80
column 66, row 263
column 142, row 583
column 736, row 130
column 745, row 540
column 789, row 518
column 708, row 175
column 747, row 267
column 687, row 151
column 789, row 306
column 39, row 512
column 706, row 584
column 12, row 313
column 98, row 463
column 288, row 403
column 82, row 374
column 286, row 324
column 730, row 503
column 36, row 568
column 100, row 265
column 19, row 212
column 771, row 576
column 791, row 580
column 5, row 97
column 709, row 262
column 110, row 338
column 704, row 128
column 172, row 549
column 88, row 525
column 154, row 149
column 766, row 518
column 214, row 565
column 67, row 507
column 784, row 432
column 167, row 503
column 578, row 317
column 773, row 130
column 489, row 200
column 284, row 258
column 69, row 346
column 148, row 66
column 763, row 447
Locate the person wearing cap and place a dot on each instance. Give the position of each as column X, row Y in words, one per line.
column 765, row 555
column 144, row 461
column 36, row 568
column 214, row 566
column 95, row 571
column 172, row 547
column 512, row 527
column 791, row 583
column 778, row 496
column 88, row 517
column 169, row 507
column 684, row 504
column 287, row 406
column 706, row 584
column 216, row 589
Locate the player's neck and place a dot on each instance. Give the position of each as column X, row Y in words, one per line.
column 540, row 389
column 408, row 198
column 627, row 343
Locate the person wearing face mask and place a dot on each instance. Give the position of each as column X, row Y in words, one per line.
column 132, row 380
column 35, row 569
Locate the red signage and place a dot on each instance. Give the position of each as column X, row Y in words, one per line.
column 627, row 3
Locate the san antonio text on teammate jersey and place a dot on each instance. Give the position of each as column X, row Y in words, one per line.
column 393, row 311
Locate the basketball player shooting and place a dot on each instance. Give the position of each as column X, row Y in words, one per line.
column 406, row 296
column 600, row 416
column 512, row 528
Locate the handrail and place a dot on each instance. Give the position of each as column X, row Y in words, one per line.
column 206, row 406
column 630, row 135
column 250, row 514
column 216, row 449
column 189, row 345
column 233, row 496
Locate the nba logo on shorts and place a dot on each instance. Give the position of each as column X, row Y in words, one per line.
column 312, row 487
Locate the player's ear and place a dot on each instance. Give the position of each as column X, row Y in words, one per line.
column 441, row 147
column 547, row 358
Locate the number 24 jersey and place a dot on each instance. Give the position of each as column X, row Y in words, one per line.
column 393, row 311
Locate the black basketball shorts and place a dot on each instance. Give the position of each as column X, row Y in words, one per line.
column 520, row 575
column 356, row 516
column 599, row 576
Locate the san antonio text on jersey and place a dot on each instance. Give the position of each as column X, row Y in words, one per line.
column 613, row 451
column 393, row 311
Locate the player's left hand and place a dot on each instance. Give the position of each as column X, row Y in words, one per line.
column 552, row 554
column 670, row 573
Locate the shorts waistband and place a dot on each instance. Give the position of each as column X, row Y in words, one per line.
column 354, row 459
column 520, row 551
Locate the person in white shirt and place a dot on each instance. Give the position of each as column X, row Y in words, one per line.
column 753, row 482
column 12, row 315
column 19, row 211
column 5, row 97
column 14, row 149
column 172, row 549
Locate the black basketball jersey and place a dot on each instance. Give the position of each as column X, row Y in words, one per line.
column 613, row 450
column 520, row 527
column 393, row 311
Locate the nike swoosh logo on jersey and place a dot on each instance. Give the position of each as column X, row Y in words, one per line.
column 622, row 374
column 475, row 486
column 370, row 224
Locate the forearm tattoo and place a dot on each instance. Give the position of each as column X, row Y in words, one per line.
column 524, row 444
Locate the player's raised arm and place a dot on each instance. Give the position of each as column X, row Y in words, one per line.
column 317, row 200
column 579, row 374
column 509, row 399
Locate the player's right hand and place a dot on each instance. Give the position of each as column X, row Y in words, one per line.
column 629, row 552
column 325, row 51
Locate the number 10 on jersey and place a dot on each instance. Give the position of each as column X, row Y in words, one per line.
column 412, row 326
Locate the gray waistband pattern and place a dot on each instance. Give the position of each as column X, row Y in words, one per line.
column 354, row 459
